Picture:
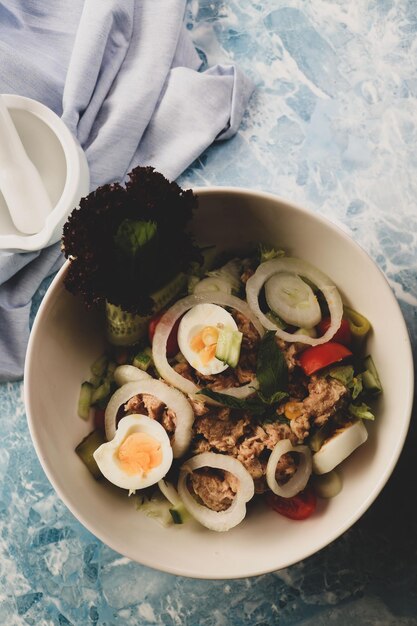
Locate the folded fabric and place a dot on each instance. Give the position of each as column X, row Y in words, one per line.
column 124, row 76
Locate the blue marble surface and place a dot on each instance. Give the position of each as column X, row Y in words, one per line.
column 332, row 126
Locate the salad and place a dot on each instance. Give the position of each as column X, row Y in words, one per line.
column 226, row 378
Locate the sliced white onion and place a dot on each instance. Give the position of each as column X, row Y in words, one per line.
column 217, row 520
column 163, row 329
column 311, row 332
column 292, row 300
column 169, row 491
column 213, row 284
column 229, row 273
column 129, row 374
column 298, row 481
column 173, row 399
column 296, row 267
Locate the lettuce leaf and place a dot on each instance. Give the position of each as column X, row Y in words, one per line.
column 345, row 374
column 362, row 411
column 271, row 369
column 254, row 405
column 126, row 243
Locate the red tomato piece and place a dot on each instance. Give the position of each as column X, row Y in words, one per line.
column 172, row 343
column 315, row 358
column 342, row 335
column 298, row 507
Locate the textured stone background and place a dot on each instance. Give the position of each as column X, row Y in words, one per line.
column 332, row 126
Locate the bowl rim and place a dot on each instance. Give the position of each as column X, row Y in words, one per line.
column 77, row 169
column 350, row 520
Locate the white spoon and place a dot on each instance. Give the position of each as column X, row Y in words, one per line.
column 20, row 182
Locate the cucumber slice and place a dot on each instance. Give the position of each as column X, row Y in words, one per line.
column 111, row 368
column 127, row 329
column 143, row 359
column 370, row 378
column 85, row 400
column 101, row 392
column 228, row 346
column 96, row 381
column 179, row 514
column 86, row 449
column 289, row 296
column 168, row 292
column 124, row 328
column 99, row 366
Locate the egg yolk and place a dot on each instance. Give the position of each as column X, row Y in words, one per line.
column 139, row 453
column 204, row 343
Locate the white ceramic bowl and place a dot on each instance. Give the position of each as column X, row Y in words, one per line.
column 61, row 163
column 65, row 340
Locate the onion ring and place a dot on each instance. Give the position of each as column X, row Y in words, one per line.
column 174, row 400
column 299, row 268
column 298, row 481
column 217, row 520
column 128, row 374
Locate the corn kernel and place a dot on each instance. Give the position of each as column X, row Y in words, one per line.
column 292, row 410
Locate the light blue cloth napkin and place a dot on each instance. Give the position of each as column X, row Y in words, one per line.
column 124, row 76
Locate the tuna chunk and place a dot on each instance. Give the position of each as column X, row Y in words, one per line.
column 199, row 408
column 325, row 397
column 285, row 468
column 251, row 337
column 146, row 404
column 135, row 405
column 153, row 406
column 255, row 467
column 252, row 446
column 185, row 370
column 244, row 374
column 216, row 491
column 222, row 435
column 224, row 380
column 168, row 420
column 277, row 431
column 300, row 426
column 199, row 445
column 290, row 351
column 251, row 449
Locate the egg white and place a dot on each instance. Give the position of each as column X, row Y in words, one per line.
column 197, row 318
column 339, row 447
column 109, row 465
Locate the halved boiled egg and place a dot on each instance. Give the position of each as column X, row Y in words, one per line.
column 139, row 455
column 338, row 447
column 198, row 333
